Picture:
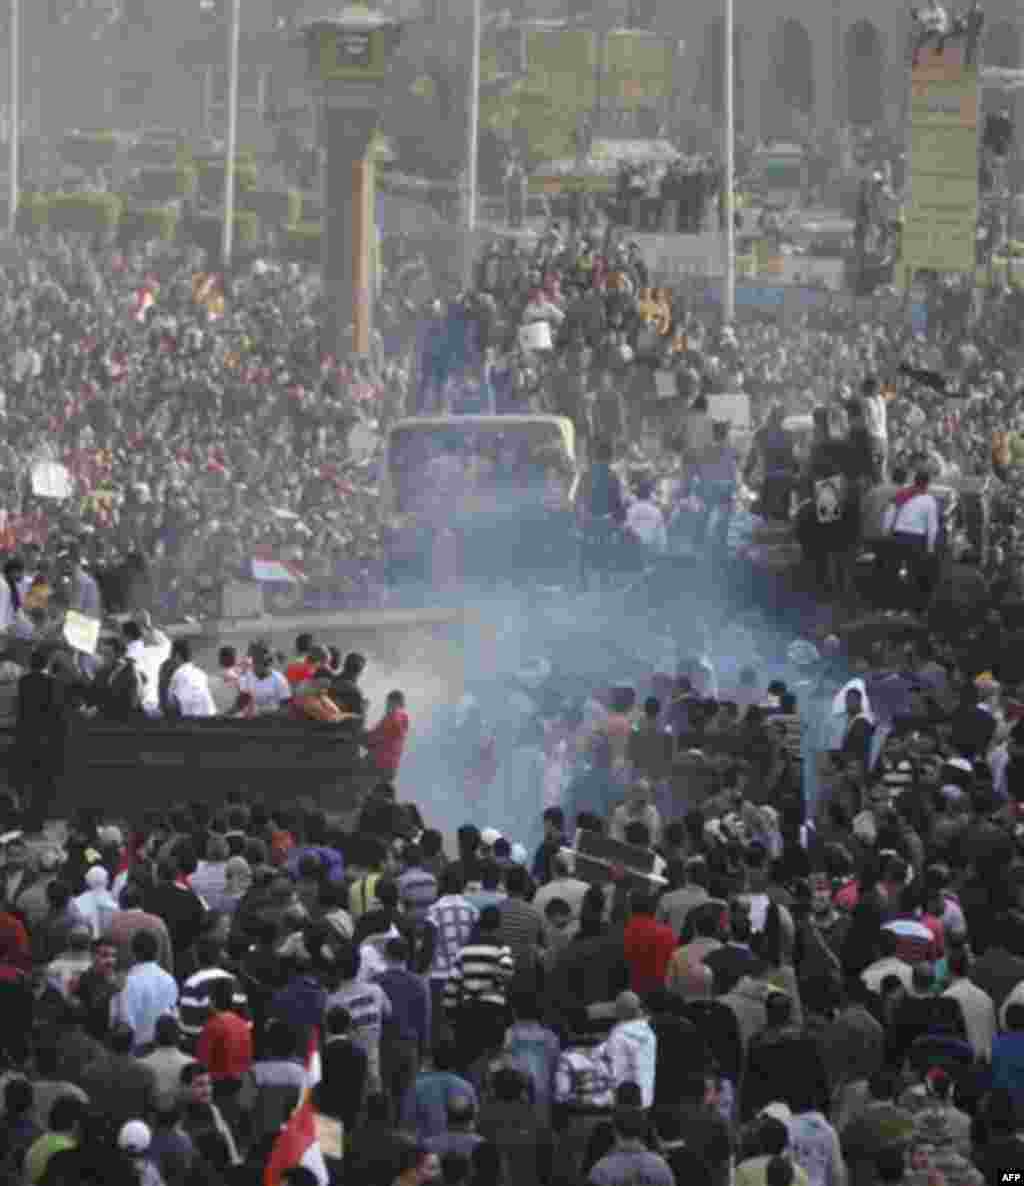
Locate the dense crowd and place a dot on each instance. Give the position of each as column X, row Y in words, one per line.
column 194, row 437
column 737, row 985
column 796, row 958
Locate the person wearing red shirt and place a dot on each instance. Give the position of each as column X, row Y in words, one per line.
column 386, row 740
column 302, row 669
column 225, row 1045
column 648, row 945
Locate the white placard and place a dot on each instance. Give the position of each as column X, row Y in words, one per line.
column 81, row 632
column 362, row 442
column 665, row 384
column 535, row 336
column 50, row 479
column 733, row 407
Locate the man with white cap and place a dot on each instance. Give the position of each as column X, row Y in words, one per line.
column 134, row 1139
column 97, row 905
column 631, row 1050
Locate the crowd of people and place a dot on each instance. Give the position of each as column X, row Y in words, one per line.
column 734, row 987
column 194, row 439
column 797, row 959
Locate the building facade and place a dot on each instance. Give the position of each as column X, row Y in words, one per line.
column 801, row 66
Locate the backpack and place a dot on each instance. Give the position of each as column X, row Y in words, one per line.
column 830, row 499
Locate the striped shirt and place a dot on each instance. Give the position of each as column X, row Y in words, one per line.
column 480, row 976
column 453, row 918
column 417, row 889
column 522, row 930
column 368, row 1005
column 194, row 1003
column 582, row 1081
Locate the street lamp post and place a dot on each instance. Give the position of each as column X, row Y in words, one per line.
column 729, row 293
column 472, row 150
column 15, row 120
column 228, row 229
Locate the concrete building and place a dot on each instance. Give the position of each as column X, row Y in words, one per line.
column 800, row 65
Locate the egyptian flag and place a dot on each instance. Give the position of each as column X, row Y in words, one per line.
column 208, row 291
column 298, row 1142
column 266, row 566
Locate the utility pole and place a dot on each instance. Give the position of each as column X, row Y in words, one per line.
column 729, row 292
column 228, row 229
column 14, row 144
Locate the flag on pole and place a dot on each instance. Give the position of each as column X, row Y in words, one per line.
column 208, row 291
column 298, row 1142
column 266, row 566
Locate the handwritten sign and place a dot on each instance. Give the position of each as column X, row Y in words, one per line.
column 81, row 632
column 51, row 480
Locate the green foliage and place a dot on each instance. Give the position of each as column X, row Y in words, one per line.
column 84, row 213
column 247, row 226
column 155, row 222
column 155, row 186
column 211, row 175
column 528, row 110
column 302, row 242
column 281, row 207
column 207, row 228
column 33, row 210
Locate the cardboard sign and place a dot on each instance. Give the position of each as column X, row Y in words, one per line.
column 535, row 336
column 50, row 479
column 665, row 384
column 596, row 855
column 733, row 407
column 81, row 632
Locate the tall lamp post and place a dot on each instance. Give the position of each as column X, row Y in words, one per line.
column 729, row 293
column 15, row 120
column 228, row 229
column 472, row 150
column 348, row 56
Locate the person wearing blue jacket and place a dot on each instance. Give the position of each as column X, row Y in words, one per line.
column 1008, row 1055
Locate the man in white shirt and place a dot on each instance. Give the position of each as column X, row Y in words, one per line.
column 645, row 520
column 876, row 424
column 631, row 1051
column 262, row 691
column 224, row 682
column 912, row 524
column 189, row 691
column 148, row 648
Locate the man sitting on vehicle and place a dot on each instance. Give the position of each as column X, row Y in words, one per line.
column 262, row 691
column 311, row 699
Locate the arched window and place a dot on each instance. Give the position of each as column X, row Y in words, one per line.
column 711, row 81
column 794, row 66
column 864, row 60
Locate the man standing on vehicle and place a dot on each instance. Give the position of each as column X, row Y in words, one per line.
column 912, row 523
column 875, row 421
